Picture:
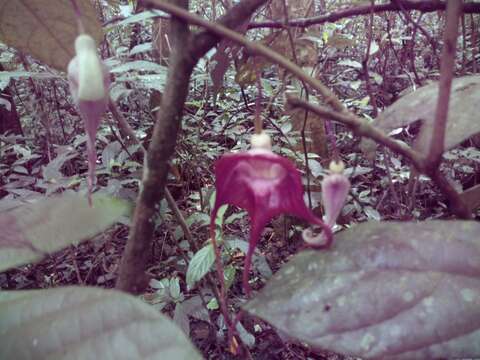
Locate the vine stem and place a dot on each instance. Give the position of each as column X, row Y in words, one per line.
column 254, row 47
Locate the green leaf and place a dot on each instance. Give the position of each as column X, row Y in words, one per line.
column 141, row 48
column 199, row 218
column 229, row 274
column 140, row 17
column 6, row 76
column 86, row 323
column 174, row 288
column 385, row 290
column 46, row 29
column 31, row 231
column 221, row 212
column 213, row 304
column 350, row 63
column 200, row 265
column 235, row 216
column 149, row 81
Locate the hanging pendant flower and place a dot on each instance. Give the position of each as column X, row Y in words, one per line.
column 265, row 185
column 335, row 188
column 89, row 81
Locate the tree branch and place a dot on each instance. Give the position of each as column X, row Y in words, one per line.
column 132, row 276
column 358, row 125
column 447, row 67
column 219, row 30
column 183, row 58
column 423, row 6
column 363, row 128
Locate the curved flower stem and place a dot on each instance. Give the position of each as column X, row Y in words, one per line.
column 258, row 102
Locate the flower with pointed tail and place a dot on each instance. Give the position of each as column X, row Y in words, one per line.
column 89, row 81
column 265, row 185
column 335, row 188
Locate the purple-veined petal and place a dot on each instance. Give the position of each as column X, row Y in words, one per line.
column 265, row 185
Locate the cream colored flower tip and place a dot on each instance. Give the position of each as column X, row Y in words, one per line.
column 85, row 42
column 261, row 141
column 337, row 167
column 90, row 70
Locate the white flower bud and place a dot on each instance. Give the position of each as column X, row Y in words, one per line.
column 91, row 85
column 261, row 141
column 337, row 167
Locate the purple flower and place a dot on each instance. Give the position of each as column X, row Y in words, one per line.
column 89, row 81
column 335, row 188
column 265, row 185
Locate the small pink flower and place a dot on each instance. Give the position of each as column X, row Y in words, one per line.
column 265, row 185
column 89, row 81
column 335, row 188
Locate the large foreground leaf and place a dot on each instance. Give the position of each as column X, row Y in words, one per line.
column 385, row 290
column 29, row 232
column 46, row 29
column 421, row 104
column 86, row 323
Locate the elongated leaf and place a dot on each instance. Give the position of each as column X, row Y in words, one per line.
column 86, row 323
column 5, row 76
column 141, row 48
column 420, row 105
column 200, row 264
column 385, row 291
column 46, row 29
column 140, row 17
column 29, row 232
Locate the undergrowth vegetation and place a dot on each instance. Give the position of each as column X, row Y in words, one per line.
column 358, row 83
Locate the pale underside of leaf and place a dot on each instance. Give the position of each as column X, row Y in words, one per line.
column 31, row 231
column 86, row 323
column 421, row 104
column 385, row 290
column 46, row 29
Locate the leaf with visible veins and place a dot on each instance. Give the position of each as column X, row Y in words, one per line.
column 420, row 105
column 29, row 232
column 385, row 290
column 46, row 29
column 86, row 323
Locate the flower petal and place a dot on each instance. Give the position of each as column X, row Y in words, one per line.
column 265, row 185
